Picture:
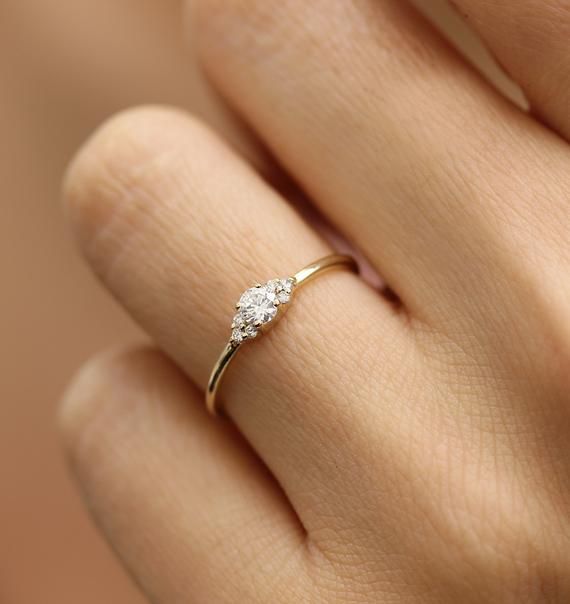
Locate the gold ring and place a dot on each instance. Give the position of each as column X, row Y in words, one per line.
column 257, row 309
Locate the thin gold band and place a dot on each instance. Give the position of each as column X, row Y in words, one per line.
column 306, row 274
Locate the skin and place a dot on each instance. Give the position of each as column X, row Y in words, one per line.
column 375, row 453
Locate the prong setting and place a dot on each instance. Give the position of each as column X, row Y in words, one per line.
column 258, row 306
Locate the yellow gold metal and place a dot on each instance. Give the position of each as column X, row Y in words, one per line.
column 335, row 261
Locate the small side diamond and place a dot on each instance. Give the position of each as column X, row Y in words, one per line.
column 273, row 285
column 250, row 331
column 238, row 321
column 284, row 289
column 237, row 336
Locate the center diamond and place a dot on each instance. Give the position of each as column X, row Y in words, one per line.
column 257, row 305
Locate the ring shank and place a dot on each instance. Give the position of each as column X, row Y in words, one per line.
column 306, row 274
column 335, row 261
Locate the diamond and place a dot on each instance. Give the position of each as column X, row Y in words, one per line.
column 237, row 336
column 273, row 285
column 257, row 305
column 284, row 289
column 238, row 321
column 250, row 331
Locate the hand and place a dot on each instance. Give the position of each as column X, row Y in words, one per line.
column 418, row 453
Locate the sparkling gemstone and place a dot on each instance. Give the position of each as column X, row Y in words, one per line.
column 250, row 331
column 238, row 321
column 273, row 285
column 257, row 304
column 237, row 336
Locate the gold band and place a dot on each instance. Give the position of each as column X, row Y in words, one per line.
column 277, row 292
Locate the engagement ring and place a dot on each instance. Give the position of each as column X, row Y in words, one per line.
column 259, row 307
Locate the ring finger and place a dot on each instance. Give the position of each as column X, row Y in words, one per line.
column 177, row 244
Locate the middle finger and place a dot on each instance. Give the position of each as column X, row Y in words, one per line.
column 421, row 162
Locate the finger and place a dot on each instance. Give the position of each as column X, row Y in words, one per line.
column 177, row 227
column 531, row 39
column 406, row 148
column 190, row 510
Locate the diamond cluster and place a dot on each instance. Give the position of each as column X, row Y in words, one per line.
column 258, row 305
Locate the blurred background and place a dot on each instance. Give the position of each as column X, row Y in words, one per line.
column 66, row 65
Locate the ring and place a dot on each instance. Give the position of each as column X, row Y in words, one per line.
column 260, row 306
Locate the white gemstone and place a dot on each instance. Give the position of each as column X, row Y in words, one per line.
column 238, row 321
column 250, row 331
column 287, row 285
column 257, row 305
column 237, row 336
column 273, row 285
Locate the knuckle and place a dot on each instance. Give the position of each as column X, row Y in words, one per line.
column 85, row 407
column 509, row 538
column 216, row 14
column 110, row 186
column 224, row 28
column 539, row 341
column 553, row 337
column 114, row 148
column 525, row 565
